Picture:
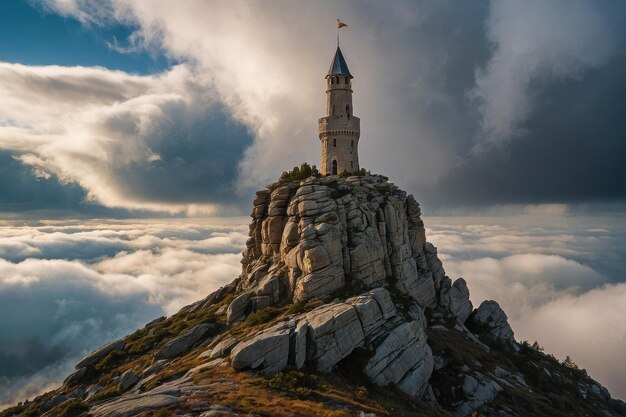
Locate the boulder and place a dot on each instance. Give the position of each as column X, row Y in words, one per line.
column 267, row 352
column 128, row 379
column 403, row 359
column 458, row 300
column 223, row 348
column 334, row 331
column 239, row 307
column 97, row 355
column 185, row 342
column 74, row 377
column 490, row 317
column 478, row 391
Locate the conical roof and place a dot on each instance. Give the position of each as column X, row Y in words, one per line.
column 339, row 66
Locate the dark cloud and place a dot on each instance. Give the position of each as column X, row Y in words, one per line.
column 571, row 151
column 464, row 104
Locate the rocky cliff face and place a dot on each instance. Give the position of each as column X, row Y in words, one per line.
column 311, row 239
column 342, row 308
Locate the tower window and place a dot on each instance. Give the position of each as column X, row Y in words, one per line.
column 351, row 164
column 347, row 80
column 332, row 80
column 334, row 143
column 352, row 144
column 333, row 109
column 334, row 167
column 348, row 111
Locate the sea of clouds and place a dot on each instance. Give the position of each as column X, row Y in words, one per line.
column 68, row 287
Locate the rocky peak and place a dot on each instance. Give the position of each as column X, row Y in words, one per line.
column 312, row 238
column 342, row 308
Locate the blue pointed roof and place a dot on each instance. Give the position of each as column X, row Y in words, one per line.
column 339, row 66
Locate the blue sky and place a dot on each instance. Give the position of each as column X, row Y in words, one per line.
column 30, row 35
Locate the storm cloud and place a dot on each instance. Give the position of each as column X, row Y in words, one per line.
column 463, row 104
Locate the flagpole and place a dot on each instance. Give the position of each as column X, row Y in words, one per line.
column 337, row 33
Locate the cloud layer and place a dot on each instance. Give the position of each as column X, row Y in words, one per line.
column 559, row 279
column 66, row 289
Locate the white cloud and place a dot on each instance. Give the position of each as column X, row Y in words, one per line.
column 543, row 279
column 103, row 129
column 53, row 310
column 268, row 64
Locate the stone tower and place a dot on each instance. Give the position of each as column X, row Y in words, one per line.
column 339, row 130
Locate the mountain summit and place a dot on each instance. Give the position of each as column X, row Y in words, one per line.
column 342, row 309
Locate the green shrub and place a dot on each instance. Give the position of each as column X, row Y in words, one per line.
column 298, row 174
column 70, row 408
column 164, row 412
column 261, row 316
column 111, row 360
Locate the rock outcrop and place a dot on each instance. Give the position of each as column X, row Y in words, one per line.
column 338, row 281
column 493, row 319
column 312, row 238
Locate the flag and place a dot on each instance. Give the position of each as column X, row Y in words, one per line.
column 340, row 24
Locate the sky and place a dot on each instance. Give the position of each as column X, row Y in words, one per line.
column 131, row 131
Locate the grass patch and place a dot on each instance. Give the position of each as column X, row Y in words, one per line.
column 70, row 408
column 112, row 360
column 106, row 393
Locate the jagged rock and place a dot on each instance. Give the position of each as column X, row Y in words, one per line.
column 374, row 309
column 223, row 348
column 54, row 401
column 403, row 359
column 184, row 342
column 334, row 332
column 268, row 351
column 134, row 405
column 156, row 367
column 299, row 343
column 98, row 354
column 458, row 300
column 361, row 229
column 478, row 393
column 128, row 379
column 92, row 390
column 75, row 377
column 491, row 317
column 239, row 307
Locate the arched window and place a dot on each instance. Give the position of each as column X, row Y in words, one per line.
column 334, row 143
column 334, row 167
column 332, row 80
column 348, row 111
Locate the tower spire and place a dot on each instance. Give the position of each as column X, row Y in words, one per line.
column 339, row 130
